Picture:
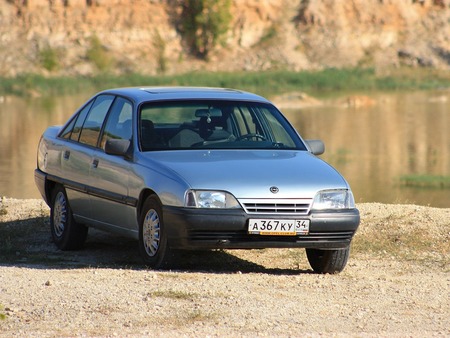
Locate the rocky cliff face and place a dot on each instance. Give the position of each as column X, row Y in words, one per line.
column 56, row 37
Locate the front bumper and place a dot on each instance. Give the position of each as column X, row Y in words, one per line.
column 227, row 229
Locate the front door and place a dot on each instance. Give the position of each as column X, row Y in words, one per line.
column 109, row 174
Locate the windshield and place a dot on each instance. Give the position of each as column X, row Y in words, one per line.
column 214, row 125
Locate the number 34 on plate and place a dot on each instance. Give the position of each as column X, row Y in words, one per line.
column 278, row 227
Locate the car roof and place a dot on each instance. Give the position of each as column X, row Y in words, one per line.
column 142, row 94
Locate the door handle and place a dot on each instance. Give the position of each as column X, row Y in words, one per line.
column 66, row 154
column 95, row 163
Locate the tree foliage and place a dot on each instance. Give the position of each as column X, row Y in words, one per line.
column 203, row 23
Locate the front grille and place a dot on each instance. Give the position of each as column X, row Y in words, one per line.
column 271, row 206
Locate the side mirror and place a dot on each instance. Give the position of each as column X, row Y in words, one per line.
column 118, row 147
column 317, row 147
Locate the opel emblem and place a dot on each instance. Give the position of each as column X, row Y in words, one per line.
column 274, row 190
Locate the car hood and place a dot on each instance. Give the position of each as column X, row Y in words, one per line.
column 251, row 173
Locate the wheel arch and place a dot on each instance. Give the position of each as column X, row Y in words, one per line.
column 146, row 193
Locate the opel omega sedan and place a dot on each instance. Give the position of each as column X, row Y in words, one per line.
column 193, row 168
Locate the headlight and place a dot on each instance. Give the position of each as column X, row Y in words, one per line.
column 210, row 199
column 333, row 199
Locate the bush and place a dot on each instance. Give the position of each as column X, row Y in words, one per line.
column 48, row 58
column 97, row 54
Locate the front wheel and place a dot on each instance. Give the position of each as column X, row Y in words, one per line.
column 328, row 261
column 66, row 232
column 153, row 245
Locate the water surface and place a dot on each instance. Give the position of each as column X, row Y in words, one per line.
column 372, row 145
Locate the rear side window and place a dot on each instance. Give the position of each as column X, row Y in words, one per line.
column 67, row 132
column 245, row 120
column 93, row 123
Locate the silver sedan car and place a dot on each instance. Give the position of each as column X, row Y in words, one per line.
column 193, row 168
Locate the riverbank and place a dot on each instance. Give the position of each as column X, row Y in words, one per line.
column 395, row 284
column 267, row 83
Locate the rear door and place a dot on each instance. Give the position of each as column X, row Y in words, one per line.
column 81, row 137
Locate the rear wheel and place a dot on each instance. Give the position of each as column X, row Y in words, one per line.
column 66, row 233
column 153, row 245
column 328, row 261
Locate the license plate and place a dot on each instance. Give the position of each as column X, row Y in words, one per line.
column 278, row 227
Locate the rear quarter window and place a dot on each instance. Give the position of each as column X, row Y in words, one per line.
column 73, row 128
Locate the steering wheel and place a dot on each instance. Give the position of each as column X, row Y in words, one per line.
column 250, row 136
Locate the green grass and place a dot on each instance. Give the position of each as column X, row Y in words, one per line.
column 2, row 314
column 426, row 181
column 264, row 83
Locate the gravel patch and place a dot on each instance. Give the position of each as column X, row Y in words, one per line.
column 395, row 284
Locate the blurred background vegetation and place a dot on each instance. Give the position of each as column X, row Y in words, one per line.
column 270, row 82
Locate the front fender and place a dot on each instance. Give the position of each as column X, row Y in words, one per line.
column 169, row 187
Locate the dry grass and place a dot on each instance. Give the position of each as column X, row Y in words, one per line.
column 405, row 232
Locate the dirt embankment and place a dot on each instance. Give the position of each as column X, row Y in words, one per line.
column 56, row 37
column 395, row 284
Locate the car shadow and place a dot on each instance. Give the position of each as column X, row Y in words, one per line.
column 28, row 243
column 224, row 261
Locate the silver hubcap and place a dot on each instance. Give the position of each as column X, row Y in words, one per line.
column 59, row 214
column 151, row 230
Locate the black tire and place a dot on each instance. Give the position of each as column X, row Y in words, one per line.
column 328, row 261
column 153, row 244
column 66, row 233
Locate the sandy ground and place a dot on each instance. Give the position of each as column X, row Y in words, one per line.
column 395, row 284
